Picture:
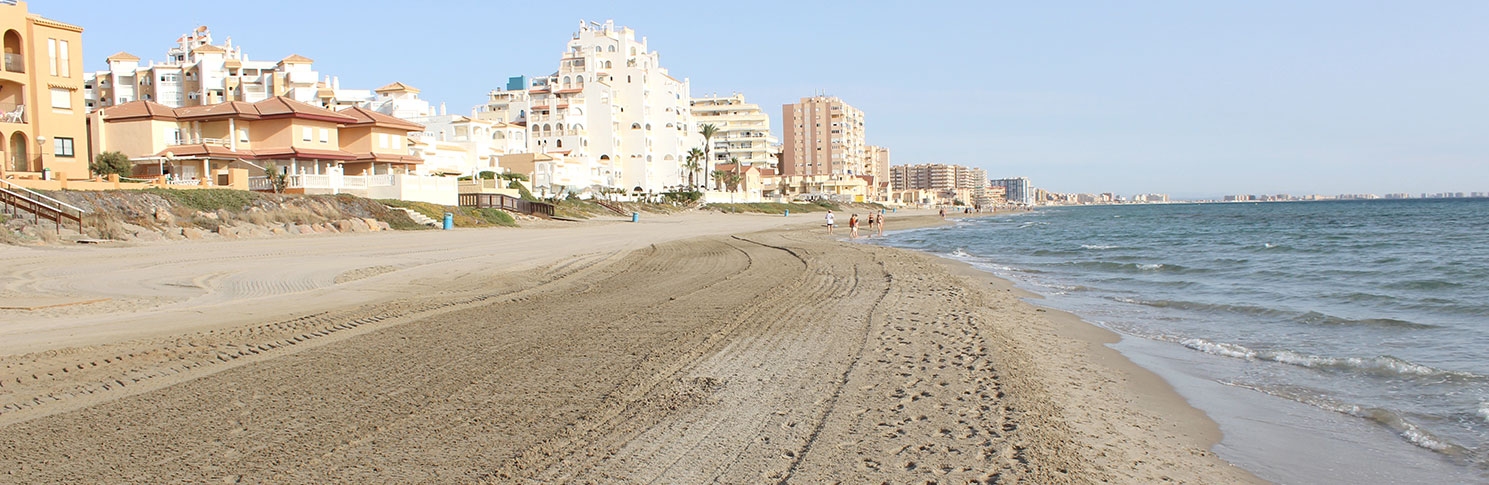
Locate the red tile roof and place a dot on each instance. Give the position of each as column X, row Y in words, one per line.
column 368, row 117
column 282, row 107
column 135, row 110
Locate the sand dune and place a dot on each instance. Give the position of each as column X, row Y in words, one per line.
column 758, row 355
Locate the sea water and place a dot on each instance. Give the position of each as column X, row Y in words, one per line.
column 1339, row 342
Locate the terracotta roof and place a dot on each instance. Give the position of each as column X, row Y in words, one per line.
column 202, row 150
column 296, row 152
column 232, row 63
column 282, row 107
column 296, row 59
column 566, row 91
column 396, row 86
column 208, row 48
column 231, row 109
column 134, row 110
column 366, row 116
column 386, row 158
column 122, row 56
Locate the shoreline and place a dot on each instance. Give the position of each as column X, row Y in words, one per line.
column 822, row 359
column 1140, row 386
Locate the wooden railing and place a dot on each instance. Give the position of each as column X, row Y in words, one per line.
column 14, row 202
column 610, row 205
column 507, row 203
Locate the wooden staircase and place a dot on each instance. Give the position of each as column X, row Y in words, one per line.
column 611, row 205
column 15, row 200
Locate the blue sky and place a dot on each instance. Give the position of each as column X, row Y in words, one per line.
column 1195, row 99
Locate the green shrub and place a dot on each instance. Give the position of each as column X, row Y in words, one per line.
column 112, row 163
column 209, row 199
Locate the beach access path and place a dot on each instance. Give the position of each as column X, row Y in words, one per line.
column 689, row 348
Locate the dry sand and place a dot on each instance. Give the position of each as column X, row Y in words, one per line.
column 691, row 348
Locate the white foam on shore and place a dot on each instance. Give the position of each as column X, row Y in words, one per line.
column 1097, row 246
column 1379, row 365
column 1484, row 411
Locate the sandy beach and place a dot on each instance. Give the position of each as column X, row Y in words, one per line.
column 689, row 348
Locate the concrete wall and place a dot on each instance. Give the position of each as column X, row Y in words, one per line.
column 435, row 190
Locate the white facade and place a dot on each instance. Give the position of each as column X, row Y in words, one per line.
column 610, row 107
column 744, row 130
column 464, row 145
column 197, row 72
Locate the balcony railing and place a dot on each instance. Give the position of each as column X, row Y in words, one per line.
column 189, row 140
column 12, row 113
column 15, row 63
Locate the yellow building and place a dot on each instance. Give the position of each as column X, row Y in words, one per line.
column 42, row 114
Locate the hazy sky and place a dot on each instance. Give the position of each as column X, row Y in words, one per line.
column 1189, row 98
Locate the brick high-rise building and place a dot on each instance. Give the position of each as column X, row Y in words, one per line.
column 823, row 136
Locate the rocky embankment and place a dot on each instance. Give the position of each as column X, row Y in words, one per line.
column 155, row 215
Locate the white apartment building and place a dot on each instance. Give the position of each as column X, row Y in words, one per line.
column 744, row 130
column 197, row 72
column 610, row 108
column 455, row 144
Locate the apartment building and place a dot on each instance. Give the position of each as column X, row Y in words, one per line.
column 42, row 116
column 880, row 171
column 610, row 107
column 197, row 72
column 1018, row 190
column 936, row 176
column 456, row 144
column 823, row 136
column 743, row 129
column 199, row 143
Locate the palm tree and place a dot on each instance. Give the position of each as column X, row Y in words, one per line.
column 718, row 178
column 694, row 165
column 738, row 172
column 708, row 130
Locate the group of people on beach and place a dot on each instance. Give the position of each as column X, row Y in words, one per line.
column 875, row 221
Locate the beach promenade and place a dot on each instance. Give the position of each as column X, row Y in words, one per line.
column 691, row 348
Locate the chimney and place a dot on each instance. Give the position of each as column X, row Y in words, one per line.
column 441, row 108
column 336, row 82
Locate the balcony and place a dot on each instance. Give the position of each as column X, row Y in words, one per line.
column 12, row 113
column 15, row 63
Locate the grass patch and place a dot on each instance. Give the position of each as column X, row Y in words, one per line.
column 209, row 200
column 462, row 216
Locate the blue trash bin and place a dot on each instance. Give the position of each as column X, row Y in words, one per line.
column 635, row 217
column 449, row 221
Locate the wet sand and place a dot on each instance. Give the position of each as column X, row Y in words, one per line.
column 701, row 347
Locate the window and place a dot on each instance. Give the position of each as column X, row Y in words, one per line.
column 64, row 65
column 64, row 146
column 61, row 98
column 325, row 135
column 52, row 54
column 305, row 133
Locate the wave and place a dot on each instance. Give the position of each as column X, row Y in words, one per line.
column 1424, row 285
column 1389, row 419
column 1484, row 411
column 1110, row 266
column 1316, row 318
column 1309, row 318
column 1382, row 365
column 1097, row 246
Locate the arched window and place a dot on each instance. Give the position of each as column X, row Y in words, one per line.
column 599, row 49
column 536, row 128
column 635, row 126
column 607, row 64
column 579, row 80
column 568, row 81
column 498, row 135
column 559, row 127
column 633, row 50
column 560, row 143
column 612, row 48
column 577, row 126
column 648, row 126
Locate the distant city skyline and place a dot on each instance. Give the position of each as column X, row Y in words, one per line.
column 1193, row 100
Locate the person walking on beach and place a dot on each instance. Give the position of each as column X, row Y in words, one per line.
column 943, row 213
column 879, row 221
column 853, row 227
column 829, row 222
